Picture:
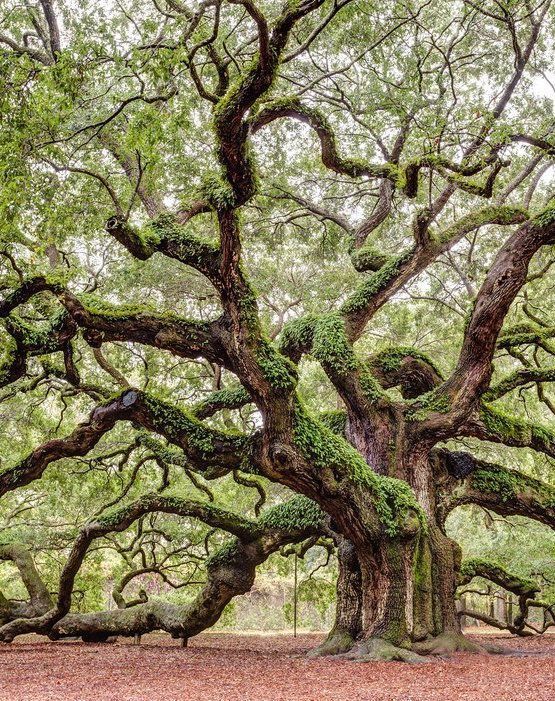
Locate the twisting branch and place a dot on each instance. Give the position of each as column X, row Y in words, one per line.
column 103, row 322
column 204, row 446
column 525, row 589
column 505, row 278
column 490, row 424
column 230, row 571
column 518, row 379
column 463, row 479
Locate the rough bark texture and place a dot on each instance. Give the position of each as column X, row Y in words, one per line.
column 40, row 600
column 348, row 614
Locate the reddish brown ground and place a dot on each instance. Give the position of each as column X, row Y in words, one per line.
column 228, row 667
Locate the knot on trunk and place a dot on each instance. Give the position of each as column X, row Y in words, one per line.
column 458, row 464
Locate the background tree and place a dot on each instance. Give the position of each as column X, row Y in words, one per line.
column 244, row 218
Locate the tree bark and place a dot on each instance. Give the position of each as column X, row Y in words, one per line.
column 348, row 608
column 408, row 581
column 40, row 600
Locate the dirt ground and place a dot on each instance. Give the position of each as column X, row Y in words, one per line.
column 228, row 667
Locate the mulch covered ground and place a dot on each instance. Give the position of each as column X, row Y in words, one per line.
column 227, row 667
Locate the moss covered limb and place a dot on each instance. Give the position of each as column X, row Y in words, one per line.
column 404, row 177
column 168, row 234
column 297, row 336
column 176, row 241
column 325, row 338
column 497, row 574
column 28, row 289
column 292, row 107
column 299, row 514
column 41, row 340
column 378, row 287
column 106, row 322
column 232, row 398
column 103, row 322
column 352, row 377
column 140, row 244
column 408, row 368
column 524, row 589
column 396, row 271
column 500, row 215
column 230, row 571
column 525, row 334
column 121, row 518
column 492, row 424
column 25, row 340
column 518, row 379
column 204, row 446
column 500, row 489
column 39, row 600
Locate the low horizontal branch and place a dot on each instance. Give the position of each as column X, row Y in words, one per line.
column 466, row 480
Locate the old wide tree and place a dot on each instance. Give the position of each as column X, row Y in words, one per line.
column 296, row 175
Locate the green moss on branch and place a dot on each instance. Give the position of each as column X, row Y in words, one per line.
column 495, row 572
column 299, row 513
column 335, row 420
column 508, row 485
column 512, row 431
column 330, row 345
column 180, row 426
column 231, row 398
column 278, row 370
column 393, row 500
column 375, row 283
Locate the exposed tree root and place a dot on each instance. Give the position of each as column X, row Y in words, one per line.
column 338, row 642
column 377, row 649
column 447, row 643
column 496, row 649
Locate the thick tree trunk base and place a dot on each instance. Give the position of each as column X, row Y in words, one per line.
column 379, row 650
column 340, row 643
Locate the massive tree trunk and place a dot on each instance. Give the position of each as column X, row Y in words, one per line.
column 408, row 594
column 396, row 594
column 400, row 592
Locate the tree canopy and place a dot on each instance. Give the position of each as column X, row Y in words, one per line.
column 276, row 277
